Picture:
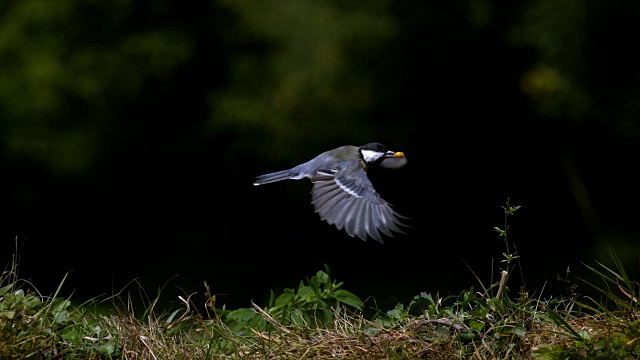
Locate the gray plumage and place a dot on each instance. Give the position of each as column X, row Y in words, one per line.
column 342, row 193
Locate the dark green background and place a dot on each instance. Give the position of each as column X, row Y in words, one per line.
column 131, row 133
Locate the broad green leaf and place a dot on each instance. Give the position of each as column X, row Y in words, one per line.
column 5, row 289
column 286, row 298
column 348, row 298
column 480, row 313
column 305, row 293
column 72, row 334
column 242, row 314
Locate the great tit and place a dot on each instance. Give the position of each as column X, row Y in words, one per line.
column 342, row 193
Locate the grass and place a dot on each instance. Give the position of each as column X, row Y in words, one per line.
column 321, row 320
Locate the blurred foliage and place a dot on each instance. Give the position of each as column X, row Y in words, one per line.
column 556, row 80
column 65, row 68
column 284, row 72
column 303, row 70
column 584, row 68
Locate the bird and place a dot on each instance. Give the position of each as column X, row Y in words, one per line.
column 342, row 193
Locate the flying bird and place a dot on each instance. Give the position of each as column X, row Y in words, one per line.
column 342, row 193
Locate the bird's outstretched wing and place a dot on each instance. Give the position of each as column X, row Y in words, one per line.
column 350, row 202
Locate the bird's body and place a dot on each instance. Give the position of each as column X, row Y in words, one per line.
column 342, row 193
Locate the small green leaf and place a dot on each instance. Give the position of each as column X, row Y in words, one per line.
column 520, row 331
column 107, row 348
column 476, row 325
column 322, row 277
column 549, row 352
column 9, row 314
column 397, row 313
column 585, row 335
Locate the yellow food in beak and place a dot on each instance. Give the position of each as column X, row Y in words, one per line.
column 395, row 161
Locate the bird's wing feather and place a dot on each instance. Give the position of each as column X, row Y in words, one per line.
column 350, row 202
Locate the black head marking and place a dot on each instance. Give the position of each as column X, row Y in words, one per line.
column 374, row 146
column 373, row 153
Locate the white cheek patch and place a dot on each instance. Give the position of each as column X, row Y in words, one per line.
column 370, row 156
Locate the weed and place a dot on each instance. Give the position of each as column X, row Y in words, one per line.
column 321, row 320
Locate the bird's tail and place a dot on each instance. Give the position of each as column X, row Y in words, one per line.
column 273, row 177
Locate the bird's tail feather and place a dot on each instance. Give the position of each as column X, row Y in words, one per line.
column 273, row 177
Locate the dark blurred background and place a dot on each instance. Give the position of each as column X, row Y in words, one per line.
column 131, row 133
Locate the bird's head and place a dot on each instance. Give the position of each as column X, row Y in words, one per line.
column 376, row 153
